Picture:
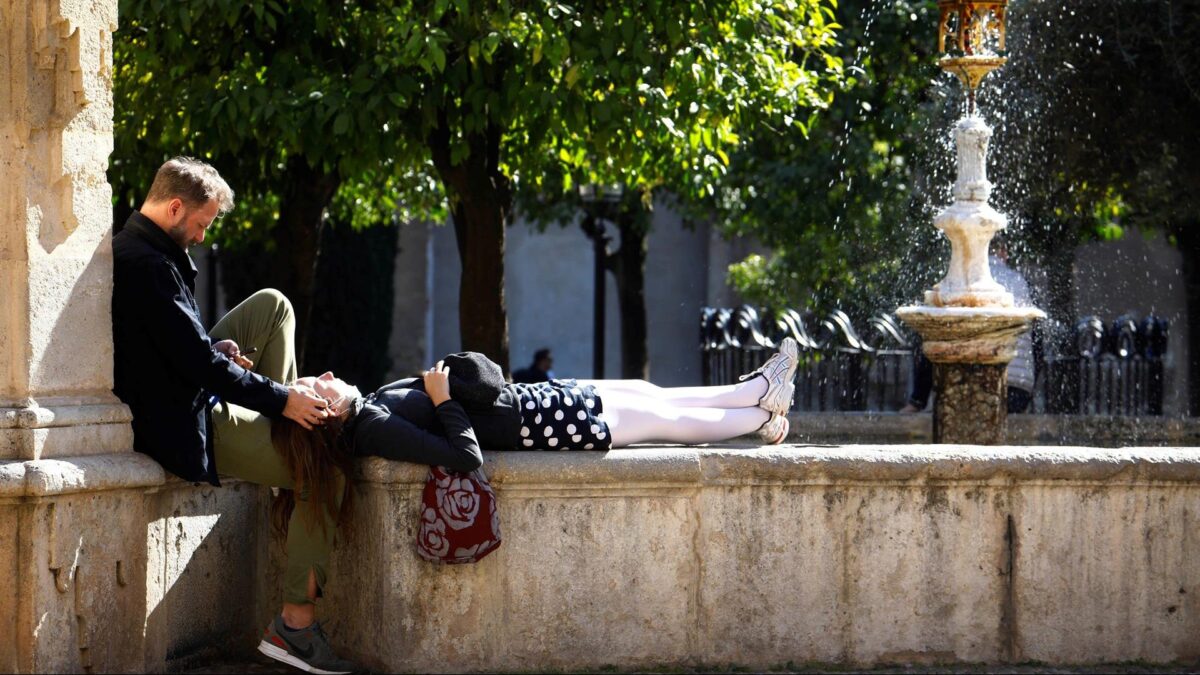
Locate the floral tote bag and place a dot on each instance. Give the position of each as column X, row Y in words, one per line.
column 459, row 523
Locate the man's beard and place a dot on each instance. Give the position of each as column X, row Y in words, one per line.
column 178, row 233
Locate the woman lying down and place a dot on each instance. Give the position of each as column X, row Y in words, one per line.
column 462, row 405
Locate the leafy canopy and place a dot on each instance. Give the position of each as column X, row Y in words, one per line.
column 839, row 205
column 638, row 92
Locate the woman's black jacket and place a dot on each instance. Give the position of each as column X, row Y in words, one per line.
column 400, row 422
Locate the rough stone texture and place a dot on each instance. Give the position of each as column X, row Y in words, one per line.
column 969, row 334
column 55, row 224
column 970, row 349
column 852, row 555
column 836, row 428
column 971, row 403
column 205, row 549
column 115, row 568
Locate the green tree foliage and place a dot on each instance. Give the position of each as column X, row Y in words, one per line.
column 840, row 202
column 366, row 106
column 279, row 96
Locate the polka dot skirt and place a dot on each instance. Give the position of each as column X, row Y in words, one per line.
column 561, row 415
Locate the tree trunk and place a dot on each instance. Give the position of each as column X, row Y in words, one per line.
column 1188, row 237
column 307, row 194
column 628, row 265
column 481, row 204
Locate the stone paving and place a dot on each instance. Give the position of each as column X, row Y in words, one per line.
column 264, row 666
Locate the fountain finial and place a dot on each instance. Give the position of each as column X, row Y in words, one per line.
column 975, row 31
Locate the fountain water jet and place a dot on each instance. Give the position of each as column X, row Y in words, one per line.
column 968, row 322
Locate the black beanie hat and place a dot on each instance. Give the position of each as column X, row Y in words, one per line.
column 475, row 380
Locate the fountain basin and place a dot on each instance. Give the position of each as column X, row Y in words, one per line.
column 979, row 335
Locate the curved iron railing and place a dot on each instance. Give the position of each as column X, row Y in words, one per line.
column 1097, row 369
column 1113, row 369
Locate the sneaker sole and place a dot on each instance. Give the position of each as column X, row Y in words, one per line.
column 787, row 429
column 282, row 656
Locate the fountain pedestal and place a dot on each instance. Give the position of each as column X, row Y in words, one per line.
column 968, row 321
column 970, row 348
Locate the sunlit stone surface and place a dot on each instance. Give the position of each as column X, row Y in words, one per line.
column 970, row 223
column 857, row 555
column 107, row 566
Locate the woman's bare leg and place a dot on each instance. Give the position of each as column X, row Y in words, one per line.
column 742, row 395
column 638, row 419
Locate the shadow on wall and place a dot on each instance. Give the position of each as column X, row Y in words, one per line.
column 81, row 320
column 205, row 549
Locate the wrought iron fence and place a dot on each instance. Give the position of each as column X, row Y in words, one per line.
column 1097, row 369
column 1113, row 369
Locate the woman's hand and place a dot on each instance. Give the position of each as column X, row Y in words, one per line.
column 437, row 383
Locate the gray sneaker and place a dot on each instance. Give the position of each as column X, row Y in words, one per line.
column 779, row 371
column 307, row 649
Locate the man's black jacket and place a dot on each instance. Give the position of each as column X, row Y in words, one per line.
column 165, row 366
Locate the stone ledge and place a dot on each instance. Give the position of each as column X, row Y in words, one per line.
column 721, row 465
column 671, row 557
column 94, row 473
column 41, row 417
column 1093, row 430
column 682, row 466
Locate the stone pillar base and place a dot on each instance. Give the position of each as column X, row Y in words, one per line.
column 971, row 406
column 99, row 426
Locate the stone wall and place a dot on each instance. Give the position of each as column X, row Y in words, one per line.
column 550, row 286
column 761, row 557
column 118, row 568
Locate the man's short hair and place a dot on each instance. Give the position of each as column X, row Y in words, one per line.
column 193, row 181
column 543, row 353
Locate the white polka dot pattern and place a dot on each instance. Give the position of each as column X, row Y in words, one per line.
column 561, row 415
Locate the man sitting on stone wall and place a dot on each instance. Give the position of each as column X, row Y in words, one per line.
column 199, row 404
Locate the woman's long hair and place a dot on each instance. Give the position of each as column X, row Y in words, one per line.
column 314, row 459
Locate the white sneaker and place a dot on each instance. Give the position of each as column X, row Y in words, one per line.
column 775, row 430
column 779, row 371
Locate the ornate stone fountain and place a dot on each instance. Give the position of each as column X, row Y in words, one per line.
column 969, row 322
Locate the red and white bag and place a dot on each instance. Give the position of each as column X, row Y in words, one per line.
column 459, row 523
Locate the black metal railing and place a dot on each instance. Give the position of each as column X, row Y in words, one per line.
column 1109, row 369
column 1099, row 369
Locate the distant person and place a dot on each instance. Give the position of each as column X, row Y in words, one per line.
column 1020, row 374
column 541, row 370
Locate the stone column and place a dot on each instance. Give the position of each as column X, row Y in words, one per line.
column 970, row 348
column 72, row 527
column 55, row 228
column 971, row 405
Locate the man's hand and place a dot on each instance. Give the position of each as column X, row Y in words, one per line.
column 304, row 407
column 230, row 348
column 437, row 383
